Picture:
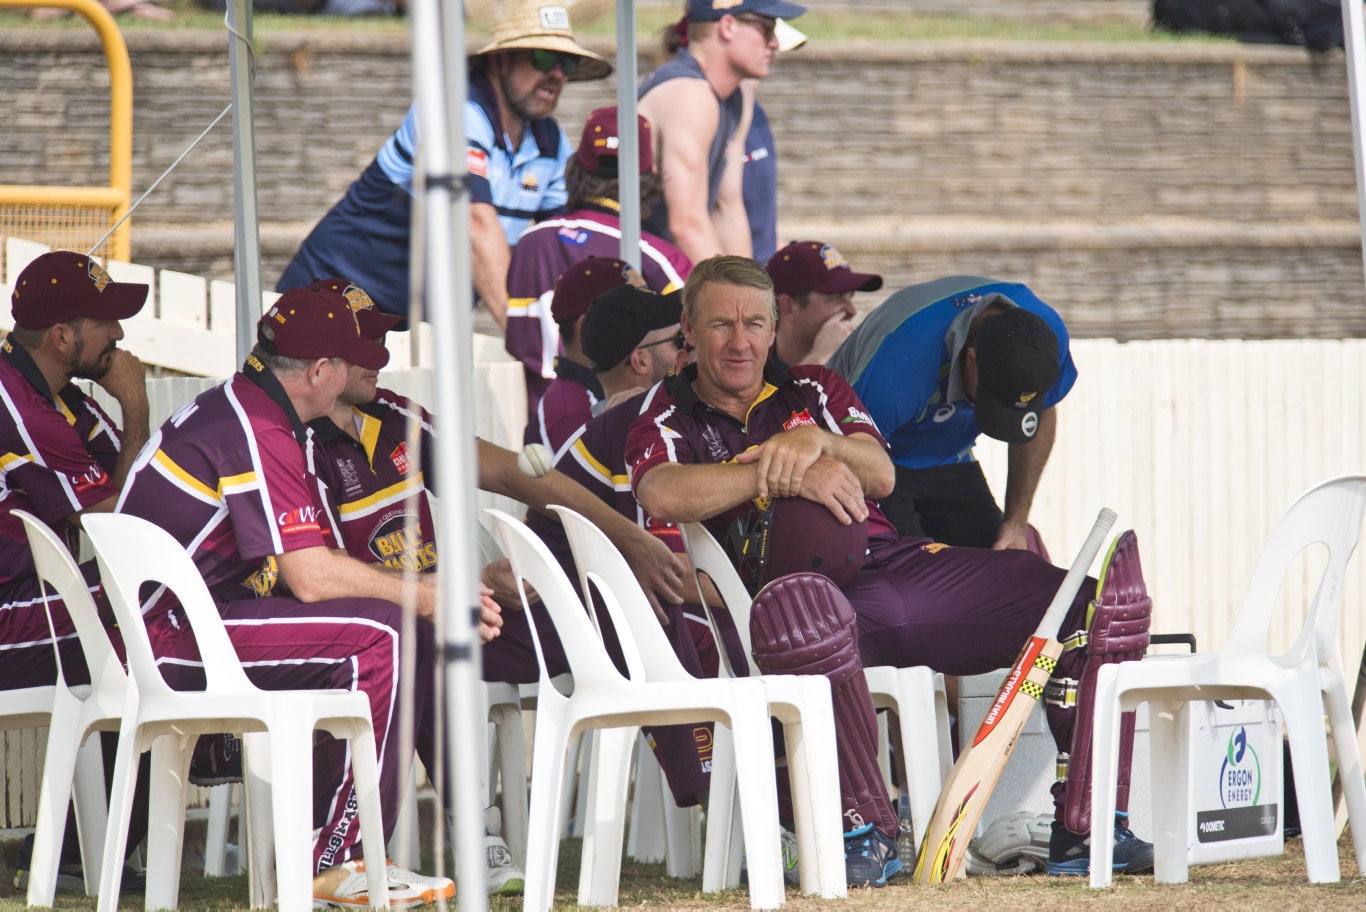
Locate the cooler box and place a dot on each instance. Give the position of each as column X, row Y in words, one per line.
column 1235, row 773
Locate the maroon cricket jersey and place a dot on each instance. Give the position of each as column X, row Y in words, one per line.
column 379, row 512
column 679, row 427
column 225, row 475
column 544, row 251
column 57, row 455
column 596, row 459
column 567, row 405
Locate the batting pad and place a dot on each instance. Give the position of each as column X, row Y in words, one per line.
column 802, row 624
column 1116, row 631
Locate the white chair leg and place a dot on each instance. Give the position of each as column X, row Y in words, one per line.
column 92, row 810
column 1169, row 728
column 403, row 845
column 166, row 819
column 645, row 841
column 260, row 828
column 605, row 819
column 721, row 857
column 216, row 835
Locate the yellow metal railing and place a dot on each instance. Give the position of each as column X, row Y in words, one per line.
column 75, row 218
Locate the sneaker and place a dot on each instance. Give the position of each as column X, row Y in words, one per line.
column 503, row 877
column 870, row 857
column 791, row 874
column 347, row 886
column 1069, row 854
column 71, row 877
column 217, row 760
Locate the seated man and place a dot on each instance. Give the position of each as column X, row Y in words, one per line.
column 226, row 476
column 720, row 440
column 936, row 364
column 568, row 402
column 379, row 508
column 591, row 228
column 65, row 455
column 815, row 286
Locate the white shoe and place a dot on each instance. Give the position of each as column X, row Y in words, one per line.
column 503, row 876
column 347, row 886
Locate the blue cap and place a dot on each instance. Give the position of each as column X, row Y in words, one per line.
column 711, row 10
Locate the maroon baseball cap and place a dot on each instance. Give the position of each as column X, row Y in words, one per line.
column 310, row 323
column 578, row 285
column 61, row 286
column 805, row 537
column 600, row 142
column 373, row 322
column 816, row 266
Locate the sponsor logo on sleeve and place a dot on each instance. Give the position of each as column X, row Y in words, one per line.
column 300, row 519
column 477, row 162
column 857, row 416
column 576, row 236
column 92, row 477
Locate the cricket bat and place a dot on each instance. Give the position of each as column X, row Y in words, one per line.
column 970, row 784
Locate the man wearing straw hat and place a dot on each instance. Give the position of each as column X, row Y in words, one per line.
column 515, row 153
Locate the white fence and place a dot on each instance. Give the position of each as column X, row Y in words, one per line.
column 1199, row 445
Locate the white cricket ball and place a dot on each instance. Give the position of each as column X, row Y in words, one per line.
column 534, row 460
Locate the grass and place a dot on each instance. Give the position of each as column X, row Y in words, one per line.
column 819, row 25
column 1263, row 883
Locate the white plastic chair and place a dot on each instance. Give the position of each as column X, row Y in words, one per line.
column 800, row 702
column 915, row 694
column 1304, row 682
column 72, row 761
column 131, row 552
column 507, row 762
column 615, row 705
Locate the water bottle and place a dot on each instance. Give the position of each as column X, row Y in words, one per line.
column 905, row 837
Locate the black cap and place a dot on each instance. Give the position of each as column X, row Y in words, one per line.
column 619, row 318
column 1017, row 362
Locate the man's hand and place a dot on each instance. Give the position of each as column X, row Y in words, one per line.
column 784, row 458
column 836, row 328
column 498, row 578
column 1012, row 535
column 126, row 378
column 832, row 483
column 659, row 571
column 490, row 615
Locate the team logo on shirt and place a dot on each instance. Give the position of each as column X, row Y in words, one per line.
column 477, row 162
column 933, row 547
column 399, row 457
column 263, row 581
column 530, row 184
column 93, row 477
column 398, row 544
column 799, row 419
column 300, row 519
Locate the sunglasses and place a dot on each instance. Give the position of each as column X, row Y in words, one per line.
column 678, row 340
column 768, row 27
column 545, row 61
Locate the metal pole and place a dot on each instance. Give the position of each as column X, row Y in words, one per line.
column 1355, row 40
column 246, row 222
column 628, row 176
column 439, row 80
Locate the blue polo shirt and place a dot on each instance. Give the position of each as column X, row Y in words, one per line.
column 366, row 238
column 902, row 361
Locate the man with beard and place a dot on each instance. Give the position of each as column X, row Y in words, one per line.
column 63, row 456
column 515, row 152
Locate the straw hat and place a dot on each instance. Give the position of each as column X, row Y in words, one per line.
column 525, row 25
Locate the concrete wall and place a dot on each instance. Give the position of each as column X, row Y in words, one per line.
column 1146, row 190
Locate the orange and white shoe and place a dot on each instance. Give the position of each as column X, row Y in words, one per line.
column 347, row 886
